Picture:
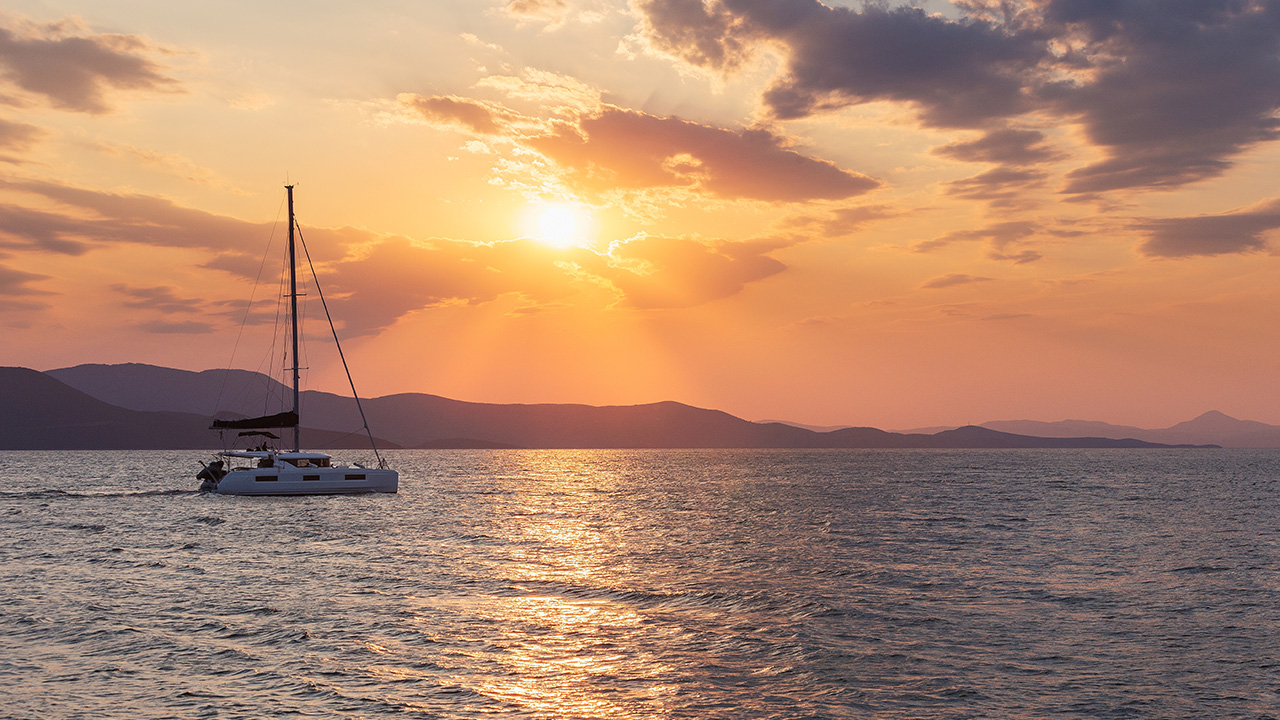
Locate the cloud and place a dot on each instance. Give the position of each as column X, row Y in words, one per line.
column 377, row 279
column 74, row 70
column 952, row 280
column 188, row 327
column 16, row 290
column 956, row 73
column 705, row 35
column 562, row 95
column 1005, row 146
column 846, row 221
column 169, row 163
column 25, row 228
column 161, row 298
column 17, row 282
column 1242, row 231
column 1169, row 91
column 552, row 12
column 90, row 217
column 1176, row 88
column 661, row 272
column 1003, row 187
column 597, row 149
column 623, row 148
column 1021, row 257
column 451, row 110
column 1002, row 240
column 399, row 276
column 839, row 222
column 16, row 136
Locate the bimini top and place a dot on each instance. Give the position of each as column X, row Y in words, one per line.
column 259, row 454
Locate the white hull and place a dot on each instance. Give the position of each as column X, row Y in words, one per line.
column 289, row 480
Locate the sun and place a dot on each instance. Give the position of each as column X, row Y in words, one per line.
column 557, row 225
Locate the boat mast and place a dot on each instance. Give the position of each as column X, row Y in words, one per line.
column 293, row 320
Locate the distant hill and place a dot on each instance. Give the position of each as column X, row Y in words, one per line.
column 136, row 386
column 418, row 420
column 38, row 412
column 1210, row 428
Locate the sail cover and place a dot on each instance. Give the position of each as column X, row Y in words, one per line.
column 279, row 420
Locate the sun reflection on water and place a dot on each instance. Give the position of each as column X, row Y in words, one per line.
column 562, row 622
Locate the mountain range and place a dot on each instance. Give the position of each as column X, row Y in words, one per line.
column 135, row 406
column 1212, row 427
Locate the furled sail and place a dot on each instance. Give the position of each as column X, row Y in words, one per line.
column 279, row 420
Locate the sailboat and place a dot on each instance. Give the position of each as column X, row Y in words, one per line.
column 266, row 470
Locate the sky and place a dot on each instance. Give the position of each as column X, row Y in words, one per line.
column 847, row 213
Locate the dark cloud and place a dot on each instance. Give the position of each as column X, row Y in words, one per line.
column 1170, row 91
column 1006, row 146
column 471, row 114
column 76, row 71
column 1242, row 231
column 1177, row 88
column 707, row 35
column 957, row 73
column 952, row 280
column 621, row 148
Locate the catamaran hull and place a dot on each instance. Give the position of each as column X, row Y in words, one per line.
column 314, row 481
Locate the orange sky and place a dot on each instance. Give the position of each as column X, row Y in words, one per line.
column 893, row 215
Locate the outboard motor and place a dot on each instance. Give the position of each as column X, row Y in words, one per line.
column 210, row 475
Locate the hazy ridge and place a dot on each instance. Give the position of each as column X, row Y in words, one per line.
column 144, row 406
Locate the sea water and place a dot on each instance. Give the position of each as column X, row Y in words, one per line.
column 650, row 584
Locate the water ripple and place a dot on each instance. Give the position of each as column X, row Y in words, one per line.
column 651, row 584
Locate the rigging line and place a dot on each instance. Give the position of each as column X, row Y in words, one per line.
column 272, row 385
column 244, row 320
column 373, row 444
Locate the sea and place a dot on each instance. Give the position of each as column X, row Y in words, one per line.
column 649, row 584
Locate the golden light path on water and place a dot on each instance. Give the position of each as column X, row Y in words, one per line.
column 565, row 642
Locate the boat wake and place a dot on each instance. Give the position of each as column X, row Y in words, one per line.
column 51, row 494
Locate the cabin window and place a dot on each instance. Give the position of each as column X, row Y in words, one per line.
column 356, row 477
column 265, row 478
column 310, row 477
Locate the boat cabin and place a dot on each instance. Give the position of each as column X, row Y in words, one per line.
column 269, row 458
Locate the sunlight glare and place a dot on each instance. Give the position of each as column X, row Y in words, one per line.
column 557, row 225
